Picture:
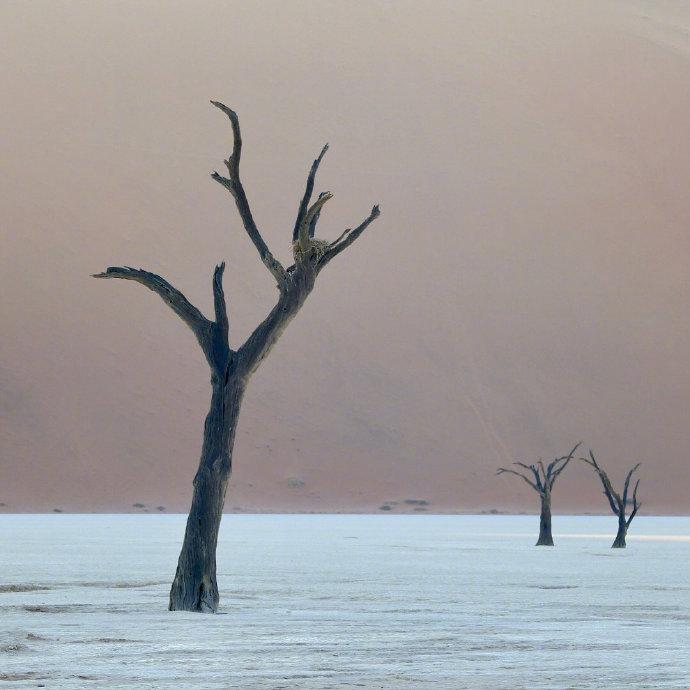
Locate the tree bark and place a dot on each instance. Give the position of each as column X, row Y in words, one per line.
column 619, row 542
column 195, row 587
column 545, row 537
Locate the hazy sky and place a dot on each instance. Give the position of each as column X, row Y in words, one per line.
column 527, row 285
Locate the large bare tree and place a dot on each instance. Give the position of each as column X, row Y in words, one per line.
column 617, row 502
column 194, row 587
column 542, row 478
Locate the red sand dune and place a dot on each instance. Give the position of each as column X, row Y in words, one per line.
column 527, row 285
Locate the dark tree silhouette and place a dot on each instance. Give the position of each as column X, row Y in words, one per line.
column 542, row 480
column 194, row 587
column 617, row 502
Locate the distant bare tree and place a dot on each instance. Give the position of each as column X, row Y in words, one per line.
column 617, row 502
column 542, row 480
column 195, row 587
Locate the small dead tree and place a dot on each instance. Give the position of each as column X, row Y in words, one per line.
column 542, row 480
column 194, row 587
column 617, row 502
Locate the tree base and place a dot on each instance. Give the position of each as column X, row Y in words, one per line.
column 198, row 595
column 619, row 542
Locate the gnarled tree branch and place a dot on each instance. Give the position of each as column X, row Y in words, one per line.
column 636, row 505
column 502, row 470
column 554, row 469
column 260, row 342
column 219, row 355
column 613, row 498
column 544, row 477
column 315, row 219
column 348, row 237
column 211, row 335
column 170, row 295
column 627, row 484
column 304, row 203
column 533, row 469
column 310, row 219
column 234, row 185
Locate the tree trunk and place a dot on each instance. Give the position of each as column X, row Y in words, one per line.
column 545, row 538
column 619, row 542
column 195, row 587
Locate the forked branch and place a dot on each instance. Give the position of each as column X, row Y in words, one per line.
column 627, row 484
column 617, row 502
column 533, row 469
column 613, row 498
column 170, row 295
column 310, row 219
column 315, row 219
column 233, row 184
column 503, row 470
column 348, row 237
column 544, row 476
column 636, row 505
column 559, row 464
column 212, row 335
column 304, row 203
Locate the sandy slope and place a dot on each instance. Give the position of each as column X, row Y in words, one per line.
column 526, row 287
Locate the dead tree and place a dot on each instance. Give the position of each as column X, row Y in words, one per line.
column 542, row 480
column 617, row 502
column 194, row 587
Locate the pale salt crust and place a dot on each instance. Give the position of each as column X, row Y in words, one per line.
column 347, row 601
